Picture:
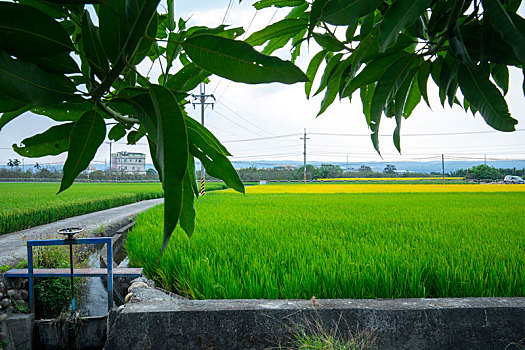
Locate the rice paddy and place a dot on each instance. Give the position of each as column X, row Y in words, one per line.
column 334, row 241
column 24, row 205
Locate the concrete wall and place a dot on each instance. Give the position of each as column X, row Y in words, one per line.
column 84, row 333
column 19, row 331
column 160, row 322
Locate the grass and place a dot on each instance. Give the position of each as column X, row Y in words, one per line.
column 341, row 245
column 24, row 205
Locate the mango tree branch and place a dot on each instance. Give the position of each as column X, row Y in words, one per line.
column 130, row 46
column 116, row 115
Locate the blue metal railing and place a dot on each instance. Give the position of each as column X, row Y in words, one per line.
column 72, row 241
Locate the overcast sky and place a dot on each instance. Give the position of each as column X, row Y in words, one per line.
column 247, row 112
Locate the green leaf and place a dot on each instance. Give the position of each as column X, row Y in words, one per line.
column 413, row 99
column 447, row 75
column 238, row 61
column 188, row 78
column 87, row 135
column 371, row 73
column 7, row 117
column 145, row 43
column 366, row 93
column 367, row 48
column 28, row 83
column 330, row 67
column 61, row 63
column 347, row 12
column 113, row 27
column 27, row 31
column 398, row 16
column 500, row 73
column 199, row 135
column 401, row 95
column 333, row 85
column 397, row 133
column 484, row 43
column 171, row 155
column 486, row 98
column 8, row 104
column 315, row 14
column 64, row 112
column 191, row 173
column 187, row 215
column 217, row 165
column 385, row 89
column 93, row 47
column 277, row 29
column 117, row 132
column 276, row 43
column 422, row 79
column 313, row 66
column 328, row 42
column 51, row 142
column 134, row 136
column 277, row 3
column 219, row 31
column 171, row 15
column 509, row 28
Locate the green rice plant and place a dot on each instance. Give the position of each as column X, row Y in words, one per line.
column 24, row 205
column 351, row 245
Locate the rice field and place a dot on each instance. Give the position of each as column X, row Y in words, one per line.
column 333, row 241
column 24, row 205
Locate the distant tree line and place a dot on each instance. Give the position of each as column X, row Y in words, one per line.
column 485, row 172
column 40, row 173
column 325, row 171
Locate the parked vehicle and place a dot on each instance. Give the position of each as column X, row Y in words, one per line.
column 510, row 179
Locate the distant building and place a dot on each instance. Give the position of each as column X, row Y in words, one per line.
column 285, row 167
column 128, row 162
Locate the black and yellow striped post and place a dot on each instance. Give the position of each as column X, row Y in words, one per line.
column 203, row 191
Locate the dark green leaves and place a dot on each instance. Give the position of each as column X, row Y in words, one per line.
column 93, row 48
column 85, row 138
column 171, row 155
column 277, row 3
column 28, row 83
column 312, row 70
column 117, row 132
column 347, row 12
column 51, row 142
column 238, row 61
column 27, row 31
column 399, row 15
column 275, row 30
column 486, row 98
column 113, row 27
column 510, row 28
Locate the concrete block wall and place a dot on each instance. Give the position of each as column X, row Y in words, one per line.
column 159, row 322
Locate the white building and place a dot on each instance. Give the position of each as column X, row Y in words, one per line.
column 128, row 162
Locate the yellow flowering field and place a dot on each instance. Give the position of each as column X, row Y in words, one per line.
column 390, row 178
column 382, row 188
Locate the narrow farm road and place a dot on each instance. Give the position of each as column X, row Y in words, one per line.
column 13, row 245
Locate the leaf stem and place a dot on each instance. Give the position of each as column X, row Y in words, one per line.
column 130, row 46
column 116, row 115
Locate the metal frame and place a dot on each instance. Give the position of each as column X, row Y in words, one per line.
column 55, row 242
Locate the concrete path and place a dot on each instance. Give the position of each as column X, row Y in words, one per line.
column 13, row 245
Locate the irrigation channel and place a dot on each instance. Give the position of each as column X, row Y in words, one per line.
column 94, row 298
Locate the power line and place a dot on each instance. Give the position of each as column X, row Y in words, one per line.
column 408, row 135
column 246, row 120
column 239, row 125
column 262, row 138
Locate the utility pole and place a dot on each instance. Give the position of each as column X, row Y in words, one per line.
column 485, row 159
column 304, row 153
column 110, row 143
column 443, row 167
column 202, row 97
